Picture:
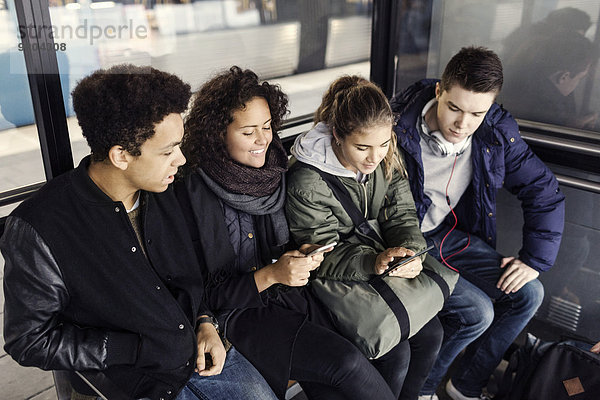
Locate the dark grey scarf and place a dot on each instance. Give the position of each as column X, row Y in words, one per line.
column 268, row 211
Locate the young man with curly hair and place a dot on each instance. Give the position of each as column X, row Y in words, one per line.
column 460, row 147
column 100, row 271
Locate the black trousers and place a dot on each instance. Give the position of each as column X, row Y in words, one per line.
column 330, row 367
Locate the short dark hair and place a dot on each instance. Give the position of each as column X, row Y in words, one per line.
column 121, row 105
column 568, row 19
column 213, row 107
column 476, row 69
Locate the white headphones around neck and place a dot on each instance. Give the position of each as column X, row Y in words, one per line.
column 436, row 141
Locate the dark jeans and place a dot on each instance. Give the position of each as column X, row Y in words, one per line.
column 424, row 347
column 330, row 367
column 404, row 368
column 477, row 314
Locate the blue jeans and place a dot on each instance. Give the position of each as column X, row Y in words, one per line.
column 239, row 380
column 477, row 314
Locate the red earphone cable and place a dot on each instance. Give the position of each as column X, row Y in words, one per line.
column 444, row 259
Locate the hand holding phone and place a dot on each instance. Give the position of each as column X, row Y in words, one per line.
column 400, row 262
column 321, row 249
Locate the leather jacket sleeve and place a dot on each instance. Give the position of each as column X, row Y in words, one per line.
column 35, row 295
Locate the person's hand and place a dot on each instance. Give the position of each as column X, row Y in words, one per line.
column 291, row 269
column 586, row 121
column 516, row 275
column 596, row 348
column 408, row 270
column 209, row 342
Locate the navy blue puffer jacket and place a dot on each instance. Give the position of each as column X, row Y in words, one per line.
column 500, row 159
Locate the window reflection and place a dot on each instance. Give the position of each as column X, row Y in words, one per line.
column 301, row 44
column 20, row 156
column 545, row 63
column 549, row 49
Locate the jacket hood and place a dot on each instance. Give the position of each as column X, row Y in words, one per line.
column 314, row 148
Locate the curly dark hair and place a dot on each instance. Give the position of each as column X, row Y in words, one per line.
column 212, row 111
column 121, row 105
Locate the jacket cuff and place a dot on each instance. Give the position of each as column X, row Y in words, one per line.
column 256, row 299
column 203, row 310
column 539, row 267
column 122, row 348
column 416, row 246
column 368, row 266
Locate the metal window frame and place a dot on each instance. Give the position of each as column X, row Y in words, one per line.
column 44, row 83
column 46, row 96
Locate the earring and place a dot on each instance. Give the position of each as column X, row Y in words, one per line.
column 337, row 143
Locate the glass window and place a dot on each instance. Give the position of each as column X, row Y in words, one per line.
column 549, row 50
column 301, row 44
column 20, row 155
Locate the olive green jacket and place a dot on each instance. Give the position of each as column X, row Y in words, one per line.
column 316, row 216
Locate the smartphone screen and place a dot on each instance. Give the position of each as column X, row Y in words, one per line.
column 321, row 249
column 397, row 263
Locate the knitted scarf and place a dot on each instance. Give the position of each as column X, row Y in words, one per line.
column 241, row 179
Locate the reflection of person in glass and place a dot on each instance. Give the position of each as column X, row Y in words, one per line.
column 561, row 21
column 460, row 147
column 542, row 75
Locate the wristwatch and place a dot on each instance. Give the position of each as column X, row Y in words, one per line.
column 210, row 320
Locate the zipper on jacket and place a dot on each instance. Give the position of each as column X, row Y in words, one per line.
column 364, row 186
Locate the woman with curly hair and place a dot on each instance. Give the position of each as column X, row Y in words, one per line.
column 234, row 193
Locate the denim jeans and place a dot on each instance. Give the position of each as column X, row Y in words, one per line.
column 239, row 380
column 477, row 314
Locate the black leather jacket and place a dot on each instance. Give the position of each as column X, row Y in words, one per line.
column 80, row 294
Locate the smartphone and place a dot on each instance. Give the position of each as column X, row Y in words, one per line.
column 397, row 263
column 321, row 249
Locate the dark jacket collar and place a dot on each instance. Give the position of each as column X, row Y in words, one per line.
column 87, row 190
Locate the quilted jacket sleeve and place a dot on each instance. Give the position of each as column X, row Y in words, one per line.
column 542, row 201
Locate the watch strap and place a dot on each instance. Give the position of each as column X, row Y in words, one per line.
column 207, row 319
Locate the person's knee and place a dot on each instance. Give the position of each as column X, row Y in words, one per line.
column 469, row 310
column 432, row 333
column 350, row 363
column 531, row 295
column 480, row 315
column 486, row 315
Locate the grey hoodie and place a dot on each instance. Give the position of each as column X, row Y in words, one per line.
column 314, row 148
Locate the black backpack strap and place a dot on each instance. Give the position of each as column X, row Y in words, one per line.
column 395, row 305
column 440, row 282
column 343, row 196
